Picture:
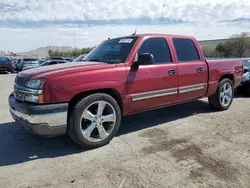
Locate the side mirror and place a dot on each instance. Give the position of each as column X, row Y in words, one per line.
column 144, row 59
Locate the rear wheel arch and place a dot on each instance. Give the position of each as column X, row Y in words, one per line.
column 229, row 76
column 216, row 100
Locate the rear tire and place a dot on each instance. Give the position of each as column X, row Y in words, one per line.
column 94, row 120
column 223, row 97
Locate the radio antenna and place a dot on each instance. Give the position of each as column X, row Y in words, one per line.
column 134, row 32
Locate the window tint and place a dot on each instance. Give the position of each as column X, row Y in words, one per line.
column 186, row 50
column 159, row 48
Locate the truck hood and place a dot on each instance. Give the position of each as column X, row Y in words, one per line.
column 64, row 68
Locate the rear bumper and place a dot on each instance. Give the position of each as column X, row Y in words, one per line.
column 45, row 120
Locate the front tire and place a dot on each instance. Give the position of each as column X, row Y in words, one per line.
column 94, row 120
column 223, row 97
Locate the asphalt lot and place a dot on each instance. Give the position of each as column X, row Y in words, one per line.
column 188, row 145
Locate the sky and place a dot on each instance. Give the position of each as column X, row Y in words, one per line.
column 29, row 24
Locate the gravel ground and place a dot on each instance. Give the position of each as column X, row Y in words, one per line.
column 188, row 145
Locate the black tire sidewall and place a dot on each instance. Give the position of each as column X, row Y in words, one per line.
column 224, row 81
column 78, row 111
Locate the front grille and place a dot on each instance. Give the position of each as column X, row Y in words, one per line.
column 21, row 81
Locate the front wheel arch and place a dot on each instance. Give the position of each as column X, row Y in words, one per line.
column 110, row 91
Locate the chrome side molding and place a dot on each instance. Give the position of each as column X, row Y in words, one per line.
column 166, row 92
column 152, row 94
column 191, row 88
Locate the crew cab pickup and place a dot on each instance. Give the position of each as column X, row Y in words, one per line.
column 121, row 76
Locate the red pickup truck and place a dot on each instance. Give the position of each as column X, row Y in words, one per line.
column 121, row 76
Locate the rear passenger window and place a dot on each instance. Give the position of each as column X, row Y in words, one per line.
column 185, row 50
column 159, row 48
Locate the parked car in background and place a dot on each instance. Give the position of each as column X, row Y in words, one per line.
column 41, row 61
column 27, row 62
column 244, row 86
column 17, row 66
column 121, row 76
column 13, row 62
column 79, row 58
column 69, row 59
column 54, row 58
column 46, row 63
column 6, row 64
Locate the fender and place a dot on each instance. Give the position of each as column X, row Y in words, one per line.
column 73, row 90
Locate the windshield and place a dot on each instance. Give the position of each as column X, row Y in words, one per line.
column 246, row 62
column 112, row 51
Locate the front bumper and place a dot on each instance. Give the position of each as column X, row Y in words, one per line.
column 6, row 68
column 44, row 120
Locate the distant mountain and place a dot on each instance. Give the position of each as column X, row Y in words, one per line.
column 43, row 51
column 211, row 43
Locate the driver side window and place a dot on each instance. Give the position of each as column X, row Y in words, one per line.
column 159, row 48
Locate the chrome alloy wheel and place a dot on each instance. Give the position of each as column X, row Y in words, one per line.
column 98, row 121
column 226, row 94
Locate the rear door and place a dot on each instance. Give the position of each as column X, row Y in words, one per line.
column 153, row 85
column 192, row 69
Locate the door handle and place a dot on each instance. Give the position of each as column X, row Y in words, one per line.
column 171, row 72
column 199, row 69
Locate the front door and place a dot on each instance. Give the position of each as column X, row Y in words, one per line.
column 153, row 85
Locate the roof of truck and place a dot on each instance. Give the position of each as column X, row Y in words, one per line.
column 154, row 34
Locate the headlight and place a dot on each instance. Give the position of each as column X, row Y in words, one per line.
column 35, row 95
column 36, row 84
